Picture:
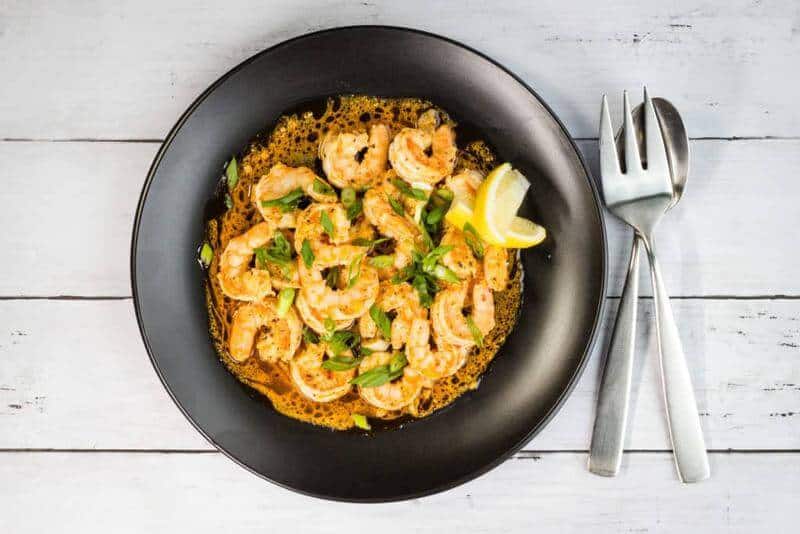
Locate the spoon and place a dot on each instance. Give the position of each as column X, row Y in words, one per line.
column 608, row 436
column 676, row 142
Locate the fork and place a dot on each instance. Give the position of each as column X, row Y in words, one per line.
column 639, row 197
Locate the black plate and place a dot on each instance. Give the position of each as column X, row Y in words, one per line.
column 564, row 280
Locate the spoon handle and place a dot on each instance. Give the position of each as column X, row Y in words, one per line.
column 608, row 436
column 685, row 432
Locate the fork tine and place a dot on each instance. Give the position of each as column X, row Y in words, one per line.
column 632, row 161
column 609, row 163
column 654, row 142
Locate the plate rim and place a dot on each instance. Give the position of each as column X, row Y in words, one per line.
column 574, row 378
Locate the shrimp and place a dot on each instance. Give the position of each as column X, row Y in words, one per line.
column 362, row 229
column 235, row 277
column 392, row 395
column 408, row 153
column 459, row 259
column 313, row 380
column 434, row 364
column 465, row 183
column 309, row 227
column 280, row 336
column 283, row 276
column 282, row 180
column 404, row 301
column 375, row 345
column 495, row 267
column 313, row 318
column 344, row 303
column 379, row 212
column 448, row 321
column 355, row 159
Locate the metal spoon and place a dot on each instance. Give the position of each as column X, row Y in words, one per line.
column 676, row 142
column 608, row 436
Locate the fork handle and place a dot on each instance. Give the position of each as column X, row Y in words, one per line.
column 685, row 432
column 608, row 436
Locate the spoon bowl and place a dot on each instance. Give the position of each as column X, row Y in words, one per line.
column 676, row 142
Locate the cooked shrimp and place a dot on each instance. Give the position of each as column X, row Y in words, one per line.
column 404, row 301
column 280, row 336
column 392, row 395
column 309, row 227
column 460, row 259
column 434, row 364
column 409, row 153
column 465, row 183
column 448, row 321
column 375, row 345
column 282, row 180
column 313, row 318
column 355, row 160
column 283, row 276
column 314, row 381
column 343, row 303
column 362, row 229
column 495, row 267
column 380, row 213
column 236, row 279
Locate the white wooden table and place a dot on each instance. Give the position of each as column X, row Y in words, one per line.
column 89, row 439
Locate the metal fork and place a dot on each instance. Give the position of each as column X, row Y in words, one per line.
column 640, row 196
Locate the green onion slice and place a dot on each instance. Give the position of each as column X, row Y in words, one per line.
column 377, row 376
column 354, row 271
column 307, row 254
column 348, row 196
column 407, row 190
column 360, row 421
column 309, row 336
column 475, row 331
column 327, row 224
column 322, row 188
column 232, row 173
column 382, row 320
column 286, row 202
column 285, row 300
column 382, row 262
column 396, row 206
column 206, row 254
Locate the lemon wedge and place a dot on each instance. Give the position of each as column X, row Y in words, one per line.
column 524, row 233
column 493, row 212
column 461, row 211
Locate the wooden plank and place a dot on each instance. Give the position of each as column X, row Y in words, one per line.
column 70, row 206
column 75, row 376
column 127, row 70
column 545, row 493
column 68, row 216
column 728, row 235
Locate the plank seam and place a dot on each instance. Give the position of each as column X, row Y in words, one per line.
column 159, row 141
column 519, row 454
column 610, row 297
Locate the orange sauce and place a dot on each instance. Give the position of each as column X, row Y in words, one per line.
column 294, row 141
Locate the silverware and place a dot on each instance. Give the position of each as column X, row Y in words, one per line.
column 640, row 197
column 608, row 435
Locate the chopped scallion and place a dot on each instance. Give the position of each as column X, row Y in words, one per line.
column 206, row 254
column 285, row 300
column 232, row 173
column 360, row 421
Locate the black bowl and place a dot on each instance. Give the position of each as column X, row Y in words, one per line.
column 564, row 278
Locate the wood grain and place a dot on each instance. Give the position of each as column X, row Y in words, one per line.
column 205, row 493
column 124, row 70
column 70, row 207
column 75, row 376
